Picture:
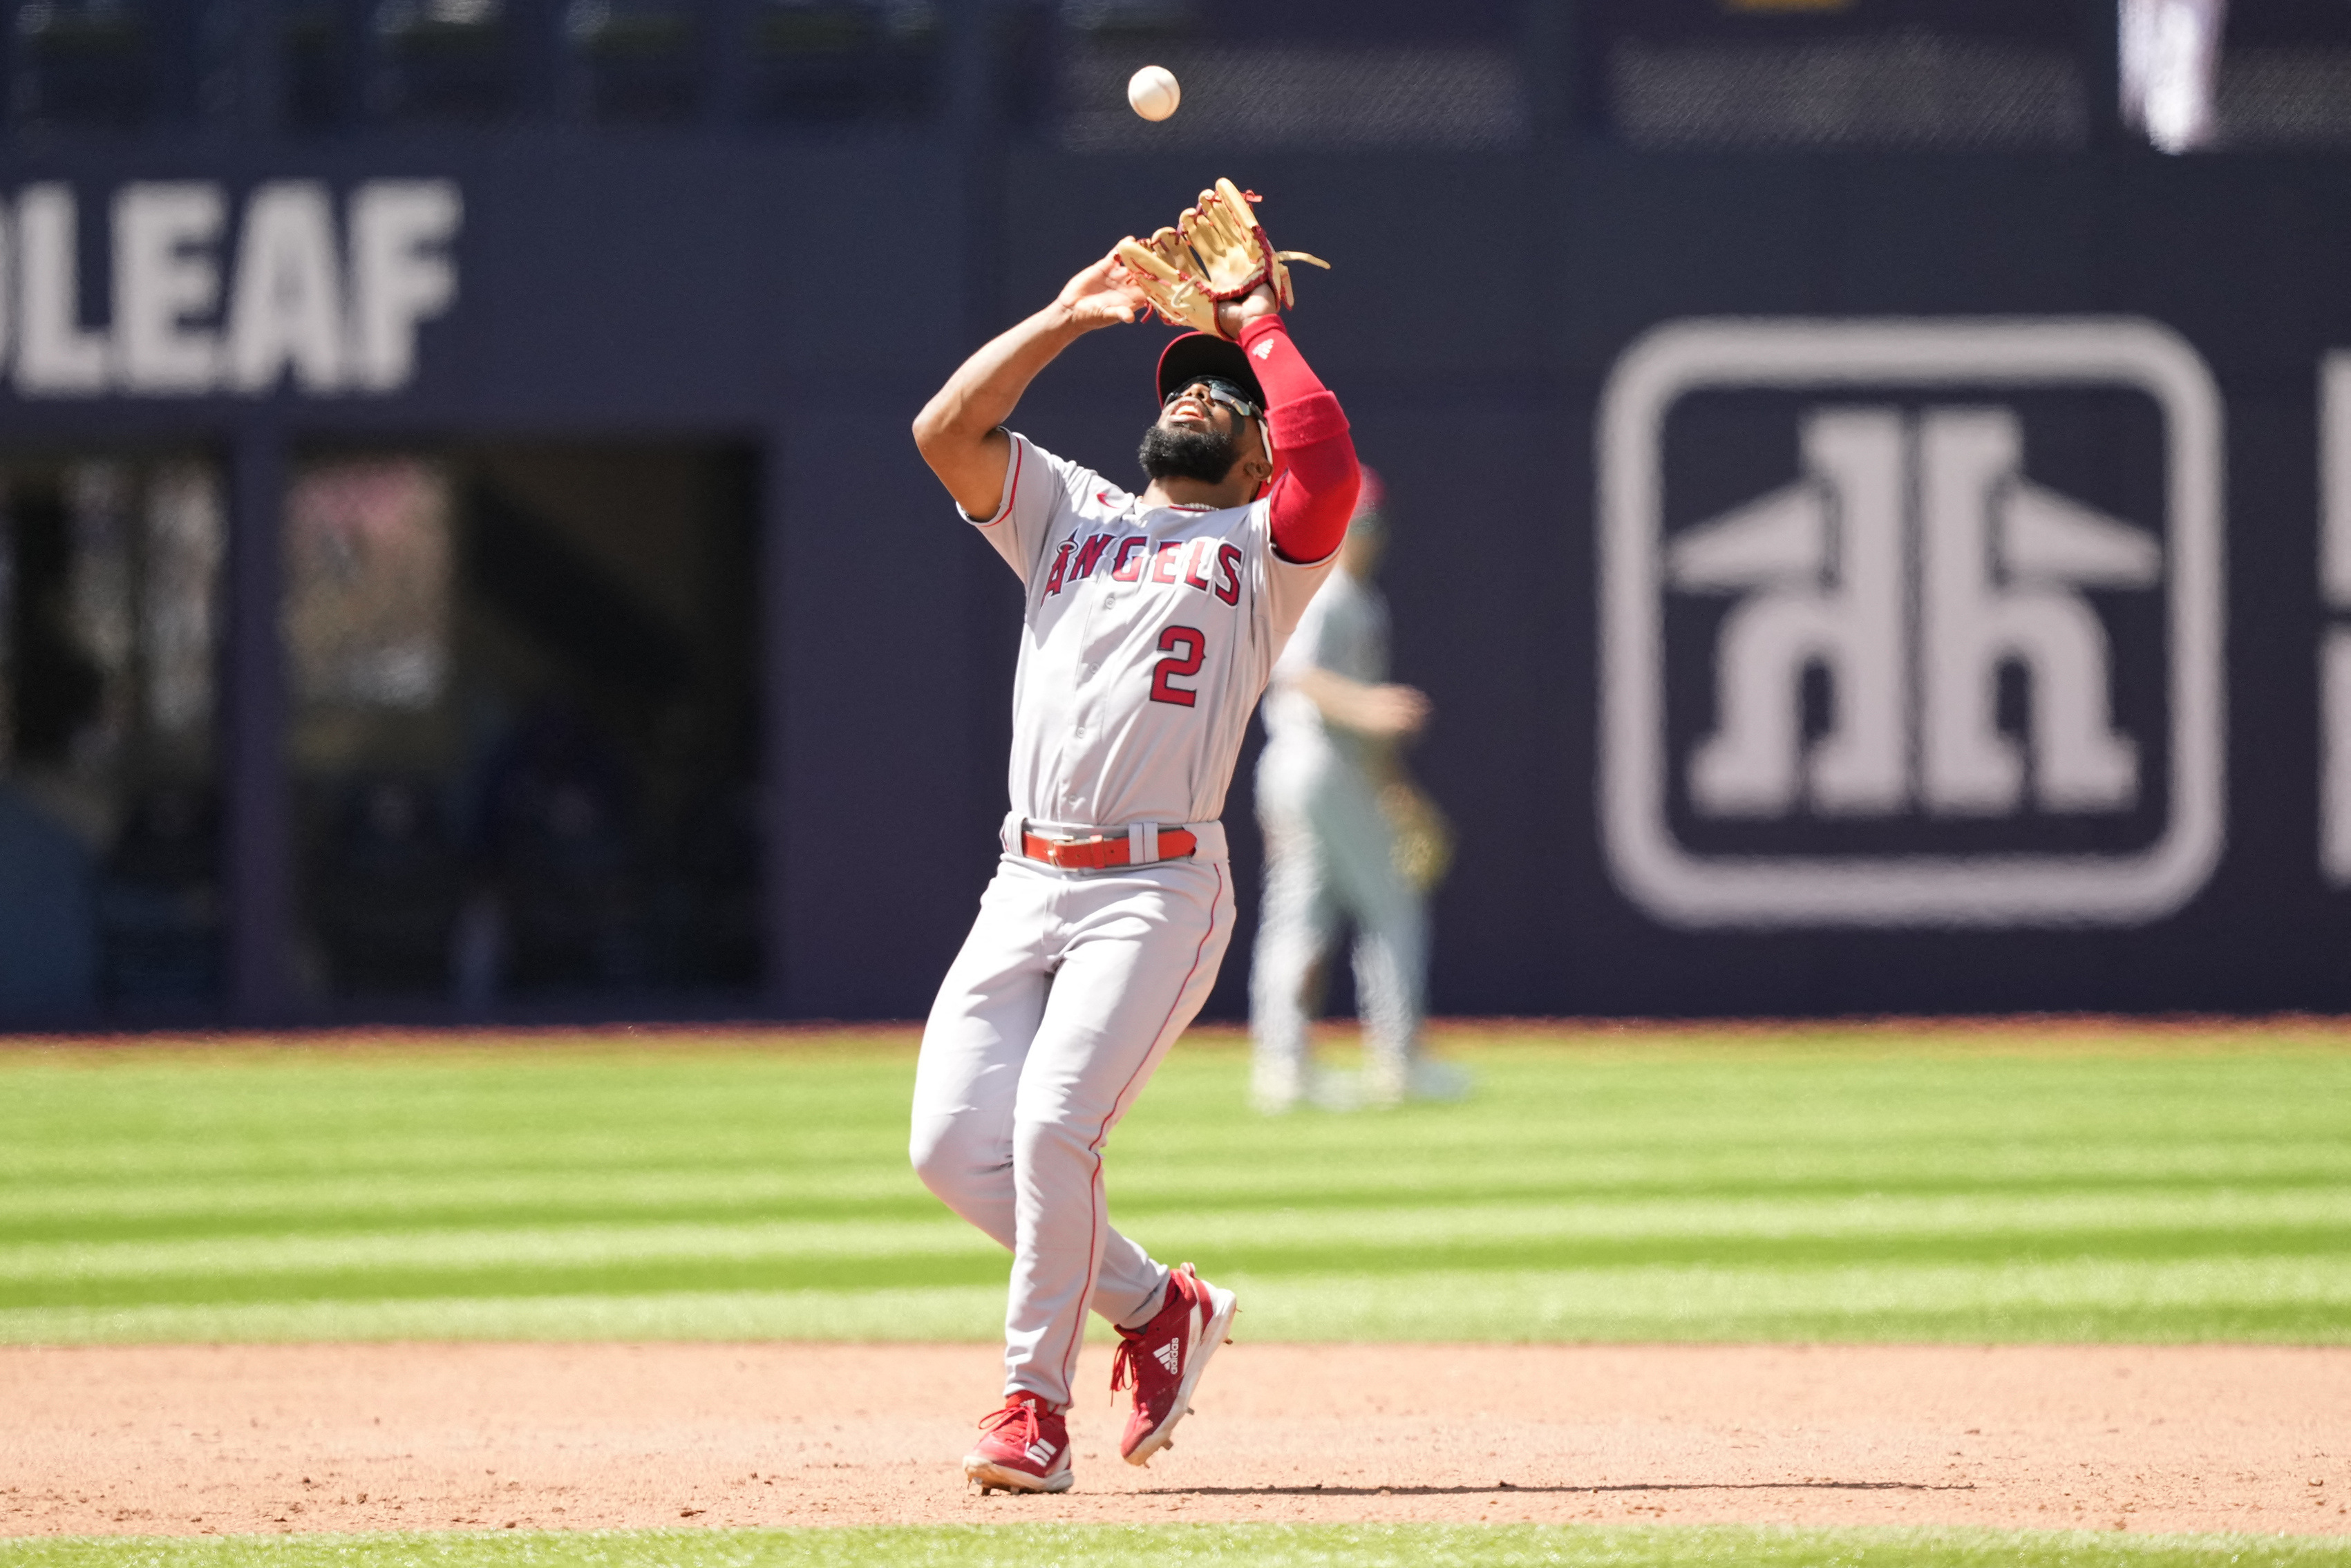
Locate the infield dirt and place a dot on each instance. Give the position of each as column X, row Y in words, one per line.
column 203, row 1439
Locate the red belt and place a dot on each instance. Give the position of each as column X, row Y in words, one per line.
column 1102, row 849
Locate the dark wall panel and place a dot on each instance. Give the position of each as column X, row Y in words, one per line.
column 810, row 298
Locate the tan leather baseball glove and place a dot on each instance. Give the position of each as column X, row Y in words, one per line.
column 1216, row 251
column 1423, row 846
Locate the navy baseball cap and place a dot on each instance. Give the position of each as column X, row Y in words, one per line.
column 1197, row 354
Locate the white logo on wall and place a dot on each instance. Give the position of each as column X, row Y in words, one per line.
column 1908, row 714
column 293, row 289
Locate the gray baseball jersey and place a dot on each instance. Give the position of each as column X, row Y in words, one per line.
column 1344, row 630
column 1150, row 633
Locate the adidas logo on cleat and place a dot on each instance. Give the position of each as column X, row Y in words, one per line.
column 1169, row 1355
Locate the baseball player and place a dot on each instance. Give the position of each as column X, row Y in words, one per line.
column 1332, row 729
column 1152, row 623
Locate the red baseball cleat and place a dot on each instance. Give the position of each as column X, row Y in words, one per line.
column 1025, row 1446
column 1163, row 1359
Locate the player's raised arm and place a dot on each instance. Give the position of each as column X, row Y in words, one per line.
column 1316, row 493
column 960, row 432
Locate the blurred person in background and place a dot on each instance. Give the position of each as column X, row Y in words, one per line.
column 1348, row 839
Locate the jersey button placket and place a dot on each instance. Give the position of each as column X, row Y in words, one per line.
column 1086, row 701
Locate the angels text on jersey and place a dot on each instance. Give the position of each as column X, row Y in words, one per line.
column 1149, row 635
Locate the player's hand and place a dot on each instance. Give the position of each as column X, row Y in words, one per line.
column 1389, row 712
column 1101, row 296
column 1232, row 315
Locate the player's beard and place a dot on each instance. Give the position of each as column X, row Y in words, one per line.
column 1200, row 454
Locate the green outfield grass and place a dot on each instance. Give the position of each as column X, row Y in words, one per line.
column 1866, row 1186
column 1176, row 1546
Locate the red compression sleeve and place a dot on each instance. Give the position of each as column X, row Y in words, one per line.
column 1314, row 496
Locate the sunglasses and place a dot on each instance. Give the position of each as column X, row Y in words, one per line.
column 1219, row 390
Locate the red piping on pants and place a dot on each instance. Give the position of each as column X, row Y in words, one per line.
column 1069, row 1359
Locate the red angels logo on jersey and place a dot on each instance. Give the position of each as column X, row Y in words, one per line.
column 1206, row 566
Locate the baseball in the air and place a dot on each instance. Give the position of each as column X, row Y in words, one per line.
column 1152, row 92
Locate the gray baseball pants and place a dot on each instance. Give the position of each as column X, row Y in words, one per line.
column 1330, row 856
column 1069, row 990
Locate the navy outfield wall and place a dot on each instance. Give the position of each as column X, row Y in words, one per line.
column 806, row 300
column 648, row 287
column 1481, row 398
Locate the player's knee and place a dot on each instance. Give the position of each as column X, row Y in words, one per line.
column 1040, row 1140
column 949, row 1154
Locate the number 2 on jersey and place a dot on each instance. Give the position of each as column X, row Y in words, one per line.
column 1195, row 645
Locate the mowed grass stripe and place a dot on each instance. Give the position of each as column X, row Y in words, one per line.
column 141, row 1208
column 1686, row 1189
column 2317, row 1220
column 930, row 1313
column 1180, row 1545
column 2317, row 1315
column 1808, row 1118
column 2276, row 1300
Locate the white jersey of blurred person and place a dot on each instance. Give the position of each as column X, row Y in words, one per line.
column 1333, row 727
